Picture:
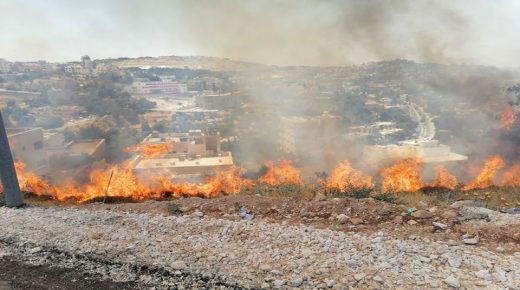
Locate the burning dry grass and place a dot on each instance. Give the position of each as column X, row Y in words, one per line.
column 344, row 177
column 281, row 172
column 401, row 180
column 486, row 177
column 404, row 176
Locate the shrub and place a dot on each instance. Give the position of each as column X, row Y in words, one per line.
column 174, row 209
column 387, row 197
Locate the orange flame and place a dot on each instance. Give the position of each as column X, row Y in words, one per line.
column 508, row 118
column 126, row 184
column 150, row 150
column 512, row 176
column 281, row 172
column 344, row 177
column 486, row 177
column 444, row 178
column 403, row 176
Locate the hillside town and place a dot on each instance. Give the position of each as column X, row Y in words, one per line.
column 234, row 144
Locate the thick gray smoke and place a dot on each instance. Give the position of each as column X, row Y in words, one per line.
column 289, row 32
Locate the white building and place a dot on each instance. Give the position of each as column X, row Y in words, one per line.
column 5, row 66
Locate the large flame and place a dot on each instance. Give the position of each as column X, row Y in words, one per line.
column 404, row 176
column 512, row 176
column 486, row 177
column 281, row 172
column 344, row 177
column 444, row 178
column 122, row 182
column 508, row 118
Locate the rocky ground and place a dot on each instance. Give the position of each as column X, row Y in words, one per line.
column 288, row 243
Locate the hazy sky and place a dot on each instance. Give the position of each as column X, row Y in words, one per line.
column 268, row 31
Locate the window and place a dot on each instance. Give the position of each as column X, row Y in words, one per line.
column 38, row 145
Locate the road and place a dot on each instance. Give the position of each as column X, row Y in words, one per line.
column 425, row 126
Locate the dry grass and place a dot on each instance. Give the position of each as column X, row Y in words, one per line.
column 494, row 197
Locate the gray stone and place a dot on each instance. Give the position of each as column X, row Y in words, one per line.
column 467, row 203
column 473, row 213
column 470, row 241
column 278, row 283
column 452, row 281
column 439, row 225
column 330, row 282
column 455, row 262
column 296, row 282
column 483, row 274
column 411, row 222
column 178, row 265
column 198, row 213
column 342, row 218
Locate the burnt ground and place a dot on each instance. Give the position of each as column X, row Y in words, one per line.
column 17, row 275
column 364, row 216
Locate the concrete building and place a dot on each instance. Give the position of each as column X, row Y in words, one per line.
column 160, row 88
column 218, row 101
column 27, row 146
column 74, row 68
column 84, row 150
column 5, row 66
column 428, row 151
column 307, row 134
column 87, row 64
column 191, row 157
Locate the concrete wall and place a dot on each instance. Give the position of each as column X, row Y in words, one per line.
column 27, row 146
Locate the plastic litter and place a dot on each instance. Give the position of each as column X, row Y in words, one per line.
column 410, row 211
column 246, row 214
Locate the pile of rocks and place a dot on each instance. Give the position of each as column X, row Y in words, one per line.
column 249, row 254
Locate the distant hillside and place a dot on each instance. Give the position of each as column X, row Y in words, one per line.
column 192, row 62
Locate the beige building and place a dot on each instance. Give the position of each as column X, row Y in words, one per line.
column 428, row 151
column 79, row 152
column 219, row 101
column 27, row 146
column 300, row 134
column 190, row 156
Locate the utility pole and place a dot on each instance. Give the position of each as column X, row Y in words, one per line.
column 12, row 193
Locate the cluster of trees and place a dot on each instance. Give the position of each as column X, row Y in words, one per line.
column 103, row 97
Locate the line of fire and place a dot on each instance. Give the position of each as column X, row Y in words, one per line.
column 189, row 132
